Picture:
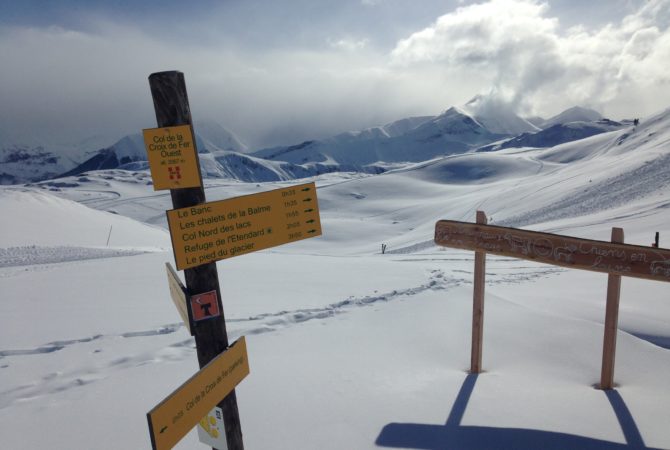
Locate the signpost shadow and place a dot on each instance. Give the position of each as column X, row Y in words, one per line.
column 454, row 436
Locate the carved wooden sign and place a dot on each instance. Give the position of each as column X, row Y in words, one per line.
column 598, row 256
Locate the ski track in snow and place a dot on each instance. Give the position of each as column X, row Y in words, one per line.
column 32, row 255
column 55, row 382
column 437, row 281
column 272, row 321
column 262, row 323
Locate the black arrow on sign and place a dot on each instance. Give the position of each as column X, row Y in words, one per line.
column 163, row 430
column 306, row 189
column 307, row 199
column 310, row 221
column 311, row 232
column 309, row 210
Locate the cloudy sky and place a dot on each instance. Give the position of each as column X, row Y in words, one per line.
column 278, row 72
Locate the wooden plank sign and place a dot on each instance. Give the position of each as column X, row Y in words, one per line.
column 598, row 256
column 214, row 231
column 172, row 157
column 179, row 297
column 175, row 416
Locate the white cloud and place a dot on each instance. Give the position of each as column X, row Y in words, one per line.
column 536, row 66
column 348, row 44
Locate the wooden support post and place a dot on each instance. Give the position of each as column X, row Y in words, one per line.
column 611, row 321
column 478, row 305
column 168, row 90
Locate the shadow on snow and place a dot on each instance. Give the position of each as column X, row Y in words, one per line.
column 454, row 436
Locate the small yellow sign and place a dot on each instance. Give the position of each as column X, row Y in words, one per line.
column 175, row 416
column 214, row 231
column 172, row 157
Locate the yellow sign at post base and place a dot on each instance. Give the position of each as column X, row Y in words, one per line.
column 182, row 410
column 172, row 157
column 214, row 231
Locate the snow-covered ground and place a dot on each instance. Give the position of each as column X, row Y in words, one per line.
column 348, row 348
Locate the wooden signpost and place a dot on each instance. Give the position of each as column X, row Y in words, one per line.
column 585, row 254
column 203, row 233
column 613, row 258
column 168, row 90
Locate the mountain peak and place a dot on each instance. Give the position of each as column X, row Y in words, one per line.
column 574, row 114
column 497, row 116
column 217, row 136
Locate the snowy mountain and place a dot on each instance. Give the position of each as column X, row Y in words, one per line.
column 32, row 155
column 409, row 140
column 556, row 134
column 479, row 123
column 214, row 135
column 215, row 144
column 215, row 162
column 20, row 163
column 498, row 117
column 35, row 158
column 574, row 114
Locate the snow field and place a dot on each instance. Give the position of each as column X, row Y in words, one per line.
column 349, row 348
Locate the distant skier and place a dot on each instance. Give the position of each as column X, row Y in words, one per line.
column 636, row 122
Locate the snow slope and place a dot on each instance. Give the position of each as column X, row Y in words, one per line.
column 350, row 348
column 46, row 219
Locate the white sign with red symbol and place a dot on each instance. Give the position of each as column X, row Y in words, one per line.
column 204, row 306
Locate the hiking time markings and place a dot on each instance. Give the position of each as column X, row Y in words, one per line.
column 218, row 230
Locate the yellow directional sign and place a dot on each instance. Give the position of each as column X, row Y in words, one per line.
column 218, row 230
column 172, row 157
column 175, row 416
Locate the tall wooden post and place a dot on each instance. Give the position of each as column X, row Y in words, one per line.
column 478, row 305
column 168, row 90
column 611, row 321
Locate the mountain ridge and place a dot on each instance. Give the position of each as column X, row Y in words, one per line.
column 480, row 125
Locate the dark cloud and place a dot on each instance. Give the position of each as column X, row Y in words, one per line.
column 282, row 72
